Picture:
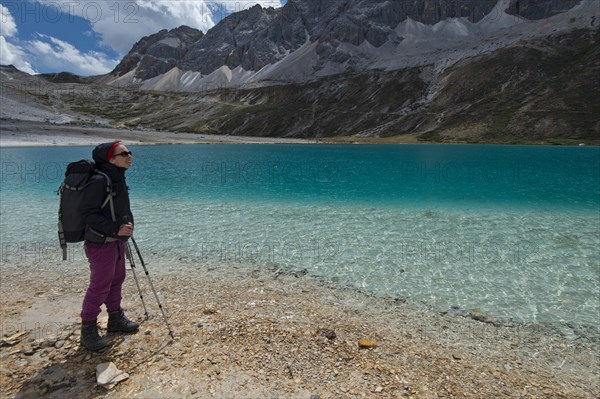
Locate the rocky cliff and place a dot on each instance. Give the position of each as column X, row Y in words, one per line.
column 158, row 53
column 257, row 37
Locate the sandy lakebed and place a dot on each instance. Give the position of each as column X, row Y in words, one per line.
column 247, row 332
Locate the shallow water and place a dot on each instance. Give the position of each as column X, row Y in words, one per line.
column 511, row 231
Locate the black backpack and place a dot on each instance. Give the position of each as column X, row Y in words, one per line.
column 78, row 176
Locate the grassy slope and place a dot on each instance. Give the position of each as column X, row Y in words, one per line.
column 544, row 93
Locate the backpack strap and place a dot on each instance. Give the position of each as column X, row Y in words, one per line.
column 62, row 240
column 109, row 196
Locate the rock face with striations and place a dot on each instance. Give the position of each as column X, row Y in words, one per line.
column 260, row 36
column 236, row 40
column 158, row 53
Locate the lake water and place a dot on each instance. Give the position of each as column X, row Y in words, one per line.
column 512, row 231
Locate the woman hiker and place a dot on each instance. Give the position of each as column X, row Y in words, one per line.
column 105, row 244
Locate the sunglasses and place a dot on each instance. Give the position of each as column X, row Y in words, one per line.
column 123, row 154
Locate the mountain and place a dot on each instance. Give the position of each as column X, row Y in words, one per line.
column 525, row 71
column 158, row 53
column 307, row 39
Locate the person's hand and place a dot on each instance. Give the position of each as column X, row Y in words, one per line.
column 126, row 230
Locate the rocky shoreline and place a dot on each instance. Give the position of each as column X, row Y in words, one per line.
column 17, row 133
column 245, row 333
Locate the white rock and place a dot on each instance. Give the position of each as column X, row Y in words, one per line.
column 108, row 375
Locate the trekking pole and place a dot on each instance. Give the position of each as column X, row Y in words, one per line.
column 129, row 255
column 137, row 249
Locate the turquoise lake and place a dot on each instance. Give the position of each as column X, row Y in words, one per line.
column 513, row 231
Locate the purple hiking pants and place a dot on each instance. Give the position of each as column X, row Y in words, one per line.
column 107, row 273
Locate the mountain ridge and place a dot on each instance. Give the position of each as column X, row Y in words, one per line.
column 342, row 35
column 500, row 80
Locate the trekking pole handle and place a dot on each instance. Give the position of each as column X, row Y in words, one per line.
column 126, row 220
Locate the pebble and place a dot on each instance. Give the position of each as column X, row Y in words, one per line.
column 366, row 343
column 327, row 333
column 27, row 351
column 107, row 374
column 13, row 339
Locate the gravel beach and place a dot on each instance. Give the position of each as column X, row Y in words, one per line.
column 244, row 332
column 17, row 133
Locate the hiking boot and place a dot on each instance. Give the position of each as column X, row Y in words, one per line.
column 90, row 339
column 118, row 322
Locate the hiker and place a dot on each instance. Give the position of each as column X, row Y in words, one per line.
column 105, row 243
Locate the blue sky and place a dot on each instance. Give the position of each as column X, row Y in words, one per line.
column 88, row 37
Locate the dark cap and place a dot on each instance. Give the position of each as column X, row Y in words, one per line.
column 104, row 152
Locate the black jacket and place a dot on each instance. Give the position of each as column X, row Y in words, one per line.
column 99, row 220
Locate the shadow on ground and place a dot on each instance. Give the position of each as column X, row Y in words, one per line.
column 73, row 374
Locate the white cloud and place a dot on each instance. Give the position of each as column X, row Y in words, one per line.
column 57, row 54
column 8, row 27
column 122, row 24
column 148, row 17
column 11, row 54
column 14, row 55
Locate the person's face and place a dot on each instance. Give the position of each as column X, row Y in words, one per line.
column 121, row 157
